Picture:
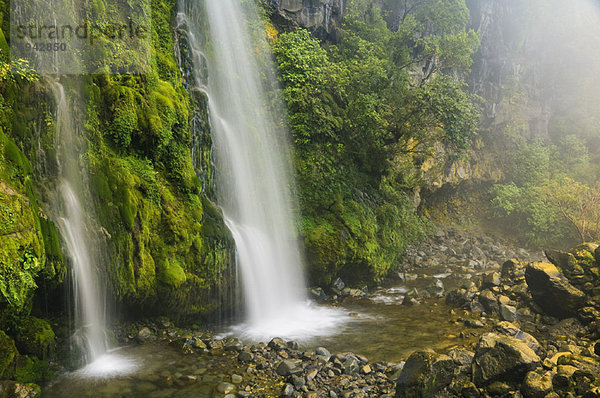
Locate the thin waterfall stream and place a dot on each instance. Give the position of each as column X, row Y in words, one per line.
column 89, row 308
column 253, row 171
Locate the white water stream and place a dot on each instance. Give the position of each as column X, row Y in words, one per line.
column 90, row 318
column 253, row 171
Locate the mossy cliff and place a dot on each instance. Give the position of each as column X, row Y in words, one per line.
column 168, row 249
column 163, row 243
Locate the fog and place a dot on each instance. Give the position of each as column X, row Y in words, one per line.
column 551, row 50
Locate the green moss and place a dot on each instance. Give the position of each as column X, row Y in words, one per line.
column 55, row 269
column 171, row 274
column 8, row 353
column 30, row 369
column 22, row 255
column 36, row 337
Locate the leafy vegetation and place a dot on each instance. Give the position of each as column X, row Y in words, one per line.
column 362, row 111
column 550, row 194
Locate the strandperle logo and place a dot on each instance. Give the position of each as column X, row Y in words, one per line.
column 78, row 36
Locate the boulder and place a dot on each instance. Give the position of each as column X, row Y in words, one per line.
column 424, row 374
column 552, row 291
column 145, row 335
column 508, row 312
column 36, row 337
column 317, row 294
column 277, row 343
column 537, row 385
column 490, row 280
column 489, row 302
column 502, row 358
column 289, row 367
column 513, row 270
column 511, row 330
column 338, row 285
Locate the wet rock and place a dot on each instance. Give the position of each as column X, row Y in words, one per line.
column 462, row 358
column 424, row 374
column 245, row 356
column 502, row 358
column 410, row 301
column 508, row 312
column 511, row 330
column 580, row 362
column 236, row 379
column 436, row 289
column 277, row 343
column 490, row 280
column 145, row 335
column 350, row 365
column 338, row 285
column 232, row 344
column 225, row 388
column 513, row 270
column 349, row 292
column 552, row 291
column 477, row 324
column 317, row 294
column 289, row 367
column 489, row 302
column 457, row 298
column 498, row 389
column 469, row 390
column 287, row 390
column 323, row 352
column 536, row 385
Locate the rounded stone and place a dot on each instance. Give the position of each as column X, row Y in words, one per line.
column 225, row 388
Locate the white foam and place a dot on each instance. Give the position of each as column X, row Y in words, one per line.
column 303, row 322
column 109, row 365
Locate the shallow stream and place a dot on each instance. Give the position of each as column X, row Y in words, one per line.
column 378, row 326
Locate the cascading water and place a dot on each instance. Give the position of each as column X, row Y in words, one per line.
column 253, row 170
column 90, row 319
column 89, row 316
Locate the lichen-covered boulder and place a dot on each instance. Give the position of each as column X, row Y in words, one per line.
column 502, row 358
column 552, row 291
column 424, row 374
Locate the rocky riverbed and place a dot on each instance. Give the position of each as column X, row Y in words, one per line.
column 465, row 316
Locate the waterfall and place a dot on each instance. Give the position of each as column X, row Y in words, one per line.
column 82, row 246
column 253, row 166
column 89, row 311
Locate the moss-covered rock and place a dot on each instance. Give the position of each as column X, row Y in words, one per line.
column 8, row 354
column 21, row 252
column 36, row 337
column 30, row 369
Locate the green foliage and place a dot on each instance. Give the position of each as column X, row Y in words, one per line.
column 355, row 110
column 547, row 196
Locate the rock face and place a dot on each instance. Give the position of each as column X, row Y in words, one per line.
column 502, row 358
column 424, row 374
column 552, row 291
column 322, row 17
